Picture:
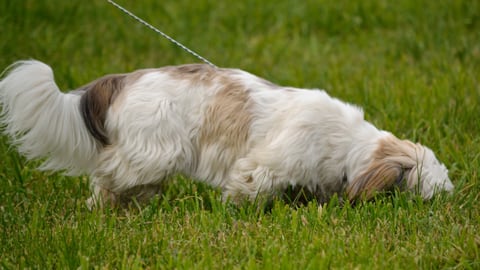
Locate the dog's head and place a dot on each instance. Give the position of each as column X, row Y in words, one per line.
column 402, row 164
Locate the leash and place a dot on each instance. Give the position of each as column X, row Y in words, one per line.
column 161, row 33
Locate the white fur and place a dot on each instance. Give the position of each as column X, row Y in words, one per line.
column 43, row 122
column 295, row 136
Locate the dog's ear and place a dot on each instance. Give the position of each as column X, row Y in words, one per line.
column 381, row 175
column 391, row 162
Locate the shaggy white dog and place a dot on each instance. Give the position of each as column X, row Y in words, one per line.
column 226, row 127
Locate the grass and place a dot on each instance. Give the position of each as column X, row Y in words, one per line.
column 414, row 65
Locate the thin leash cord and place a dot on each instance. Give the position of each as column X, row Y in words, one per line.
column 161, row 33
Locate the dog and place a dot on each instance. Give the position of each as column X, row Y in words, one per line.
column 231, row 129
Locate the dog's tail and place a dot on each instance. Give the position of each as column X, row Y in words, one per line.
column 44, row 122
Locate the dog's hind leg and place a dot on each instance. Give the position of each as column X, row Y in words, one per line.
column 103, row 197
column 149, row 141
column 100, row 197
column 135, row 168
column 117, row 180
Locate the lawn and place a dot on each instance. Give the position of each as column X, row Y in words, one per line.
column 413, row 65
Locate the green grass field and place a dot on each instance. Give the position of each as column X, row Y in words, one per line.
column 414, row 65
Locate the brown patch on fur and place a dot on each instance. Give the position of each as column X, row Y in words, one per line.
column 389, row 162
column 192, row 72
column 96, row 100
column 227, row 119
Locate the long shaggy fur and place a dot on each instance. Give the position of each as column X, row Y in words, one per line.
column 43, row 122
column 226, row 127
